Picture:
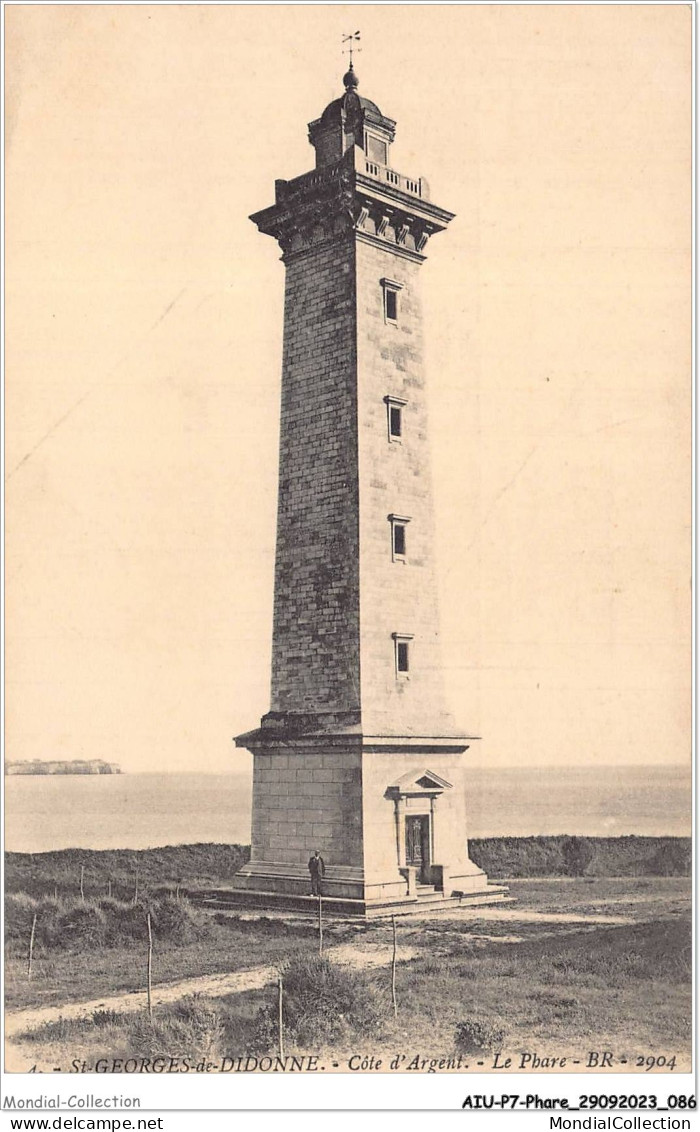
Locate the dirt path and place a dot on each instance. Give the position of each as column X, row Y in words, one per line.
column 17, row 1022
column 212, row 986
column 513, row 915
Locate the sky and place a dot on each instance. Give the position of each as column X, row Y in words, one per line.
column 144, row 333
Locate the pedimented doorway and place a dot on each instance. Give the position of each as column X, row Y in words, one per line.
column 418, row 854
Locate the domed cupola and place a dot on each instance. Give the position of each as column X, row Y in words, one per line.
column 351, row 120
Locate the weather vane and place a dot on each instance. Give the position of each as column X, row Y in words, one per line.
column 351, row 40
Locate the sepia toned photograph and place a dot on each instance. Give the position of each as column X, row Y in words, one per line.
column 348, row 540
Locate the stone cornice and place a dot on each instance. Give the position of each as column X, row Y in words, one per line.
column 333, row 201
column 402, row 253
column 262, row 740
column 417, row 207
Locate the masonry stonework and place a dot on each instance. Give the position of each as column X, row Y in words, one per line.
column 315, row 655
column 359, row 756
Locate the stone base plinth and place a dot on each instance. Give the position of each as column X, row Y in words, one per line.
column 341, row 882
column 238, row 900
column 345, row 882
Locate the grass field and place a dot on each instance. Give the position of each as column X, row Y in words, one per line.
column 577, row 964
column 123, row 871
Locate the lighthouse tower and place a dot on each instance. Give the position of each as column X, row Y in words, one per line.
column 359, row 756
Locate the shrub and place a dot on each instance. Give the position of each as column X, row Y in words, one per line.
column 323, row 1003
column 672, row 858
column 192, row 1026
column 70, row 923
column 19, row 913
column 59, row 923
column 126, row 922
column 171, row 919
column 612, row 856
column 578, row 854
column 76, row 924
column 478, row 1035
column 177, row 919
column 102, row 1018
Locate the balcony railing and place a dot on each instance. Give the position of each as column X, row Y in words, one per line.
column 306, row 181
column 415, row 186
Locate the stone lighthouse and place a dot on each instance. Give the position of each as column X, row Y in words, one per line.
column 359, row 756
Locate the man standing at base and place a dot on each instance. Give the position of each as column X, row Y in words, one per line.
column 317, row 870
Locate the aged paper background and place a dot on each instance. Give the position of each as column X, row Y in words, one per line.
column 144, row 317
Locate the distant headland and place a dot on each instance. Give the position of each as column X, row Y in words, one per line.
column 62, row 766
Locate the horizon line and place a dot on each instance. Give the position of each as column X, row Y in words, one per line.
column 494, row 766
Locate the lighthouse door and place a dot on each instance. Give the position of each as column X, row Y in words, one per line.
column 418, row 845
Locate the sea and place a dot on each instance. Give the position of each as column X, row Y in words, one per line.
column 139, row 811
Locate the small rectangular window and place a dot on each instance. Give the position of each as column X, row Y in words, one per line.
column 402, row 659
column 399, row 540
column 394, row 417
column 391, row 290
column 398, row 536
